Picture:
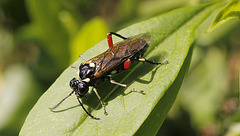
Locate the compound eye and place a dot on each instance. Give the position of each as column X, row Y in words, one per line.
column 74, row 84
column 83, row 88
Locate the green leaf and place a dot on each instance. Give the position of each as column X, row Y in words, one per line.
column 203, row 93
column 16, row 97
column 230, row 11
column 128, row 112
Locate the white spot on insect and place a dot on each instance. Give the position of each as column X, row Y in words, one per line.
column 88, row 71
column 86, row 80
column 114, row 72
column 142, row 59
column 78, row 71
column 112, row 53
column 92, row 65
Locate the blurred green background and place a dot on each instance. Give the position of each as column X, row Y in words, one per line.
column 40, row 38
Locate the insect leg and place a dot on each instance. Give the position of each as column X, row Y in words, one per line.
column 61, row 101
column 109, row 38
column 118, row 35
column 116, row 83
column 151, row 62
column 85, row 109
column 124, row 85
column 104, row 109
column 141, row 91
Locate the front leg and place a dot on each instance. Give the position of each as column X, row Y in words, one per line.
column 104, row 109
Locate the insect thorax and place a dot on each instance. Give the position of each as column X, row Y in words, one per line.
column 87, row 70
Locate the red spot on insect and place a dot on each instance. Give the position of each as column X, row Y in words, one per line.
column 127, row 64
column 109, row 39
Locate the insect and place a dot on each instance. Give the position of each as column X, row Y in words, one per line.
column 117, row 58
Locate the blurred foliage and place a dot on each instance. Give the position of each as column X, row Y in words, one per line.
column 40, row 38
column 228, row 12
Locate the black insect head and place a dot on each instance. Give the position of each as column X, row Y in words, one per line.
column 79, row 87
